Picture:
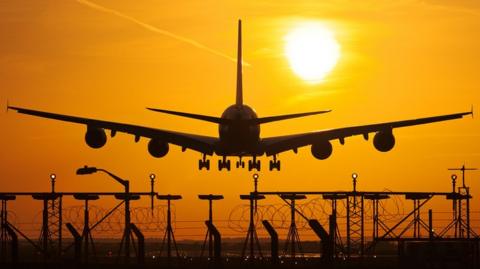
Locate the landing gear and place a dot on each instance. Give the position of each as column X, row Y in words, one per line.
column 240, row 163
column 223, row 163
column 254, row 164
column 274, row 164
column 204, row 163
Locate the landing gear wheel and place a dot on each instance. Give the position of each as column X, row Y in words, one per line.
column 274, row 165
column 203, row 164
column 227, row 165
column 220, row 165
column 207, row 164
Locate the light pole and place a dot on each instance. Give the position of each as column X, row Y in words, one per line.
column 152, row 190
column 86, row 170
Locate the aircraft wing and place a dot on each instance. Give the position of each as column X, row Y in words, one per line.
column 275, row 145
column 203, row 144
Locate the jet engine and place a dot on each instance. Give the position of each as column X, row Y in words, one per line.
column 384, row 141
column 157, row 148
column 322, row 150
column 95, row 137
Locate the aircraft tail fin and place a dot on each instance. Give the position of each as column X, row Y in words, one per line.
column 239, row 99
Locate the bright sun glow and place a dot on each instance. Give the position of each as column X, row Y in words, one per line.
column 312, row 51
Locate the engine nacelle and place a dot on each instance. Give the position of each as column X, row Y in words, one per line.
column 384, row 141
column 95, row 137
column 157, row 148
column 322, row 150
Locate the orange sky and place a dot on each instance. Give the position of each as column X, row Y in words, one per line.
column 398, row 60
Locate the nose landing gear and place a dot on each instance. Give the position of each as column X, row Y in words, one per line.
column 204, row 163
column 240, row 163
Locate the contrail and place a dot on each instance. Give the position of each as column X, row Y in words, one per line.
column 155, row 29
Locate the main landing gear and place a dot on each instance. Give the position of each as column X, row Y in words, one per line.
column 254, row 164
column 204, row 163
column 274, row 164
column 224, row 163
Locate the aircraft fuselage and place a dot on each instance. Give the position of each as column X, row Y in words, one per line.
column 239, row 137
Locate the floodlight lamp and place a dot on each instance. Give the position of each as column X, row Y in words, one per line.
column 86, row 170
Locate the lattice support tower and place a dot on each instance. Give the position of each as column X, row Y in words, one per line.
column 5, row 238
column 293, row 238
column 169, row 236
column 251, row 239
column 355, row 221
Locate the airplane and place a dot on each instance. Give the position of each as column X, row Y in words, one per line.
column 239, row 132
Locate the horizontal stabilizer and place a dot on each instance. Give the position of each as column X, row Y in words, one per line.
column 190, row 115
column 289, row 116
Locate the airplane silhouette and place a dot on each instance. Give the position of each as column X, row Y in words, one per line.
column 239, row 132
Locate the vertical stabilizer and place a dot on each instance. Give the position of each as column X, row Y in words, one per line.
column 239, row 100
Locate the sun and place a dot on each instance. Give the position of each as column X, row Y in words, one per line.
column 312, row 51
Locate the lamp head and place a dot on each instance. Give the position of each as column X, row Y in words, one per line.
column 86, row 170
column 454, row 177
column 53, row 176
column 354, row 175
column 152, row 176
column 255, row 176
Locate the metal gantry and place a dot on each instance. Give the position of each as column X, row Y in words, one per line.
column 293, row 241
column 410, row 228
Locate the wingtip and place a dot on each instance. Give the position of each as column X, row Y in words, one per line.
column 7, row 108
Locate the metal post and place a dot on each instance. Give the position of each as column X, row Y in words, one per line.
column 454, row 205
column 348, row 228
column 292, row 221
column 45, row 228
column 459, row 218
column 77, row 243
column 251, row 228
column 85, row 230
column 59, row 225
column 362, row 229
column 141, row 244
column 332, row 229
column 251, row 233
column 430, row 224
column 468, row 211
column 127, row 222
column 273, row 241
column 169, row 229
column 152, row 191
column 210, row 235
